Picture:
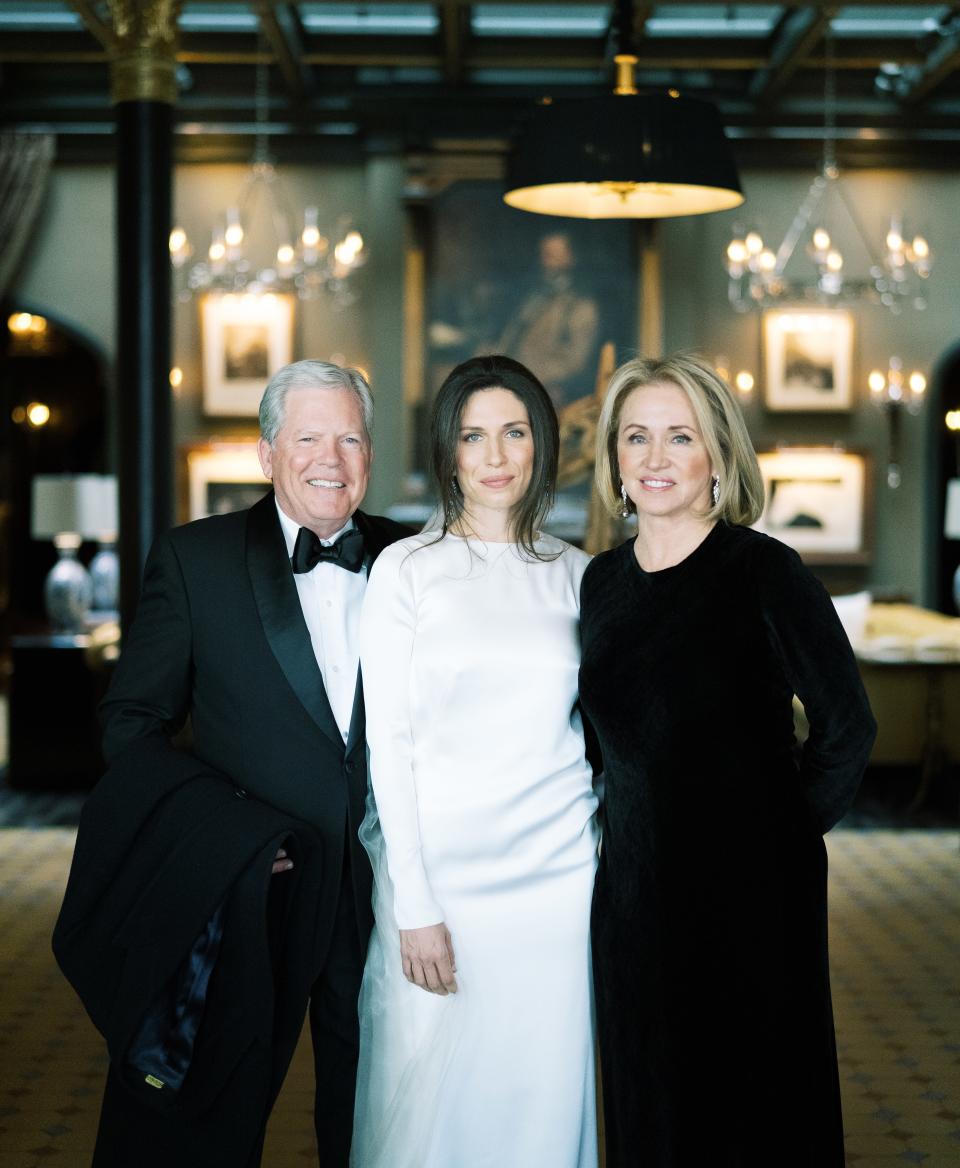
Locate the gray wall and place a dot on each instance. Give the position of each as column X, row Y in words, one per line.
column 697, row 316
column 69, row 272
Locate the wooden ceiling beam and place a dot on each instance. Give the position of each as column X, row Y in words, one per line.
column 280, row 25
column 101, row 32
column 942, row 61
column 799, row 31
column 454, row 23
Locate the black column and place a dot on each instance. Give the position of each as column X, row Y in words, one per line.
column 144, row 167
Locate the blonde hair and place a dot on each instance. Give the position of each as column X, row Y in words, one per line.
column 721, row 425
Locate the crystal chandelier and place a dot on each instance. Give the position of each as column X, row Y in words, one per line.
column 307, row 263
column 758, row 276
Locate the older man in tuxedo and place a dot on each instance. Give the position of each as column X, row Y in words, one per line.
column 248, row 626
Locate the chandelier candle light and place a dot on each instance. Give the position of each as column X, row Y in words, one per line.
column 757, row 274
column 305, row 264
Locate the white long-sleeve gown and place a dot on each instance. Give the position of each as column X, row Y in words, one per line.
column 484, row 817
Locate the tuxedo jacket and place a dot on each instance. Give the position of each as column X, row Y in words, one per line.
column 219, row 636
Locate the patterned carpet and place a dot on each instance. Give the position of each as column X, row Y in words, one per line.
column 896, row 957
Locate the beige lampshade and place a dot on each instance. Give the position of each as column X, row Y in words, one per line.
column 951, row 518
column 83, row 504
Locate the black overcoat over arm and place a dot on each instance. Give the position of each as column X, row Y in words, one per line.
column 220, row 636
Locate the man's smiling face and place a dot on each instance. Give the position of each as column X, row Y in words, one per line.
column 320, row 459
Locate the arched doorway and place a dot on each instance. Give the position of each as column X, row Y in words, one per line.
column 53, row 394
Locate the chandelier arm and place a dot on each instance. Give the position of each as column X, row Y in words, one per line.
column 858, row 224
column 280, row 211
column 801, row 221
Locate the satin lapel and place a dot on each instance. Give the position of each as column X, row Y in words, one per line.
column 358, row 719
column 279, row 606
column 374, row 538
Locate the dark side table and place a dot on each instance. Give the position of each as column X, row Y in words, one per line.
column 57, row 682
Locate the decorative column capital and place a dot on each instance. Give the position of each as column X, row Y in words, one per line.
column 144, row 56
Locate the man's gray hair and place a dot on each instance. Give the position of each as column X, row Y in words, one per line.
column 311, row 375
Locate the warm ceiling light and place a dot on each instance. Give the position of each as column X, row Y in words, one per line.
column 176, row 377
column 623, row 156
column 953, row 419
column 38, row 414
column 744, row 381
column 22, row 323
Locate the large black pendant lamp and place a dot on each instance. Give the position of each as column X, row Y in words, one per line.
column 624, row 155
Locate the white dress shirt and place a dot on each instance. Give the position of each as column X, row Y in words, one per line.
column 330, row 598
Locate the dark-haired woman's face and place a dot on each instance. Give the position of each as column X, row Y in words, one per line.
column 494, row 451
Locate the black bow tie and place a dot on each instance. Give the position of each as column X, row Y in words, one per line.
column 345, row 552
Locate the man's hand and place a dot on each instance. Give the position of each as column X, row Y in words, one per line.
column 281, row 862
column 428, row 959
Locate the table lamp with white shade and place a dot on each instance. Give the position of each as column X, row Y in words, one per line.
column 951, row 529
column 69, row 509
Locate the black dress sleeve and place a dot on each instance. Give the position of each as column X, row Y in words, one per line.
column 807, row 637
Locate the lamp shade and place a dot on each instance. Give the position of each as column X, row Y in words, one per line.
column 951, row 518
column 83, row 504
column 623, row 156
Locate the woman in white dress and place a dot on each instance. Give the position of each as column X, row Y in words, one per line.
column 476, row 1011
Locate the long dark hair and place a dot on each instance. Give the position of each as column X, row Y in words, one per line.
column 496, row 372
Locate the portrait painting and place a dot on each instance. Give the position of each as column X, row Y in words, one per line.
column 816, row 503
column 808, row 359
column 548, row 292
column 558, row 295
column 246, row 338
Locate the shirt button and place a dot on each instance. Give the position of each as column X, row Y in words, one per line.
column 329, row 603
column 336, row 669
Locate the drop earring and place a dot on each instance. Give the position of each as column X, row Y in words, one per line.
column 625, row 506
column 715, row 489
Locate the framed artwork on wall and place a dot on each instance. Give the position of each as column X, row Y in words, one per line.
column 548, row 292
column 816, row 501
column 221, row 477
column 808, row 359
column 246, row 338
column 559, row 295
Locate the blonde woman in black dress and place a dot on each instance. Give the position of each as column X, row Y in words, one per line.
column 709, row 916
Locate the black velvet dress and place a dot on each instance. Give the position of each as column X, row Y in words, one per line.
column 709, row 915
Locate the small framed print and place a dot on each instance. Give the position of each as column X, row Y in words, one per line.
column 816, row 501
column 222, row 477
column 808, row 359
column 247, row 337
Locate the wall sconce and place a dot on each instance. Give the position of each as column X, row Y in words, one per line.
column 894, row 391
column 742, row 381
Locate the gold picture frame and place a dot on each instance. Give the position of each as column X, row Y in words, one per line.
column 808, row 359
column 817, row 500
column 246, row 338
column 220, row 477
